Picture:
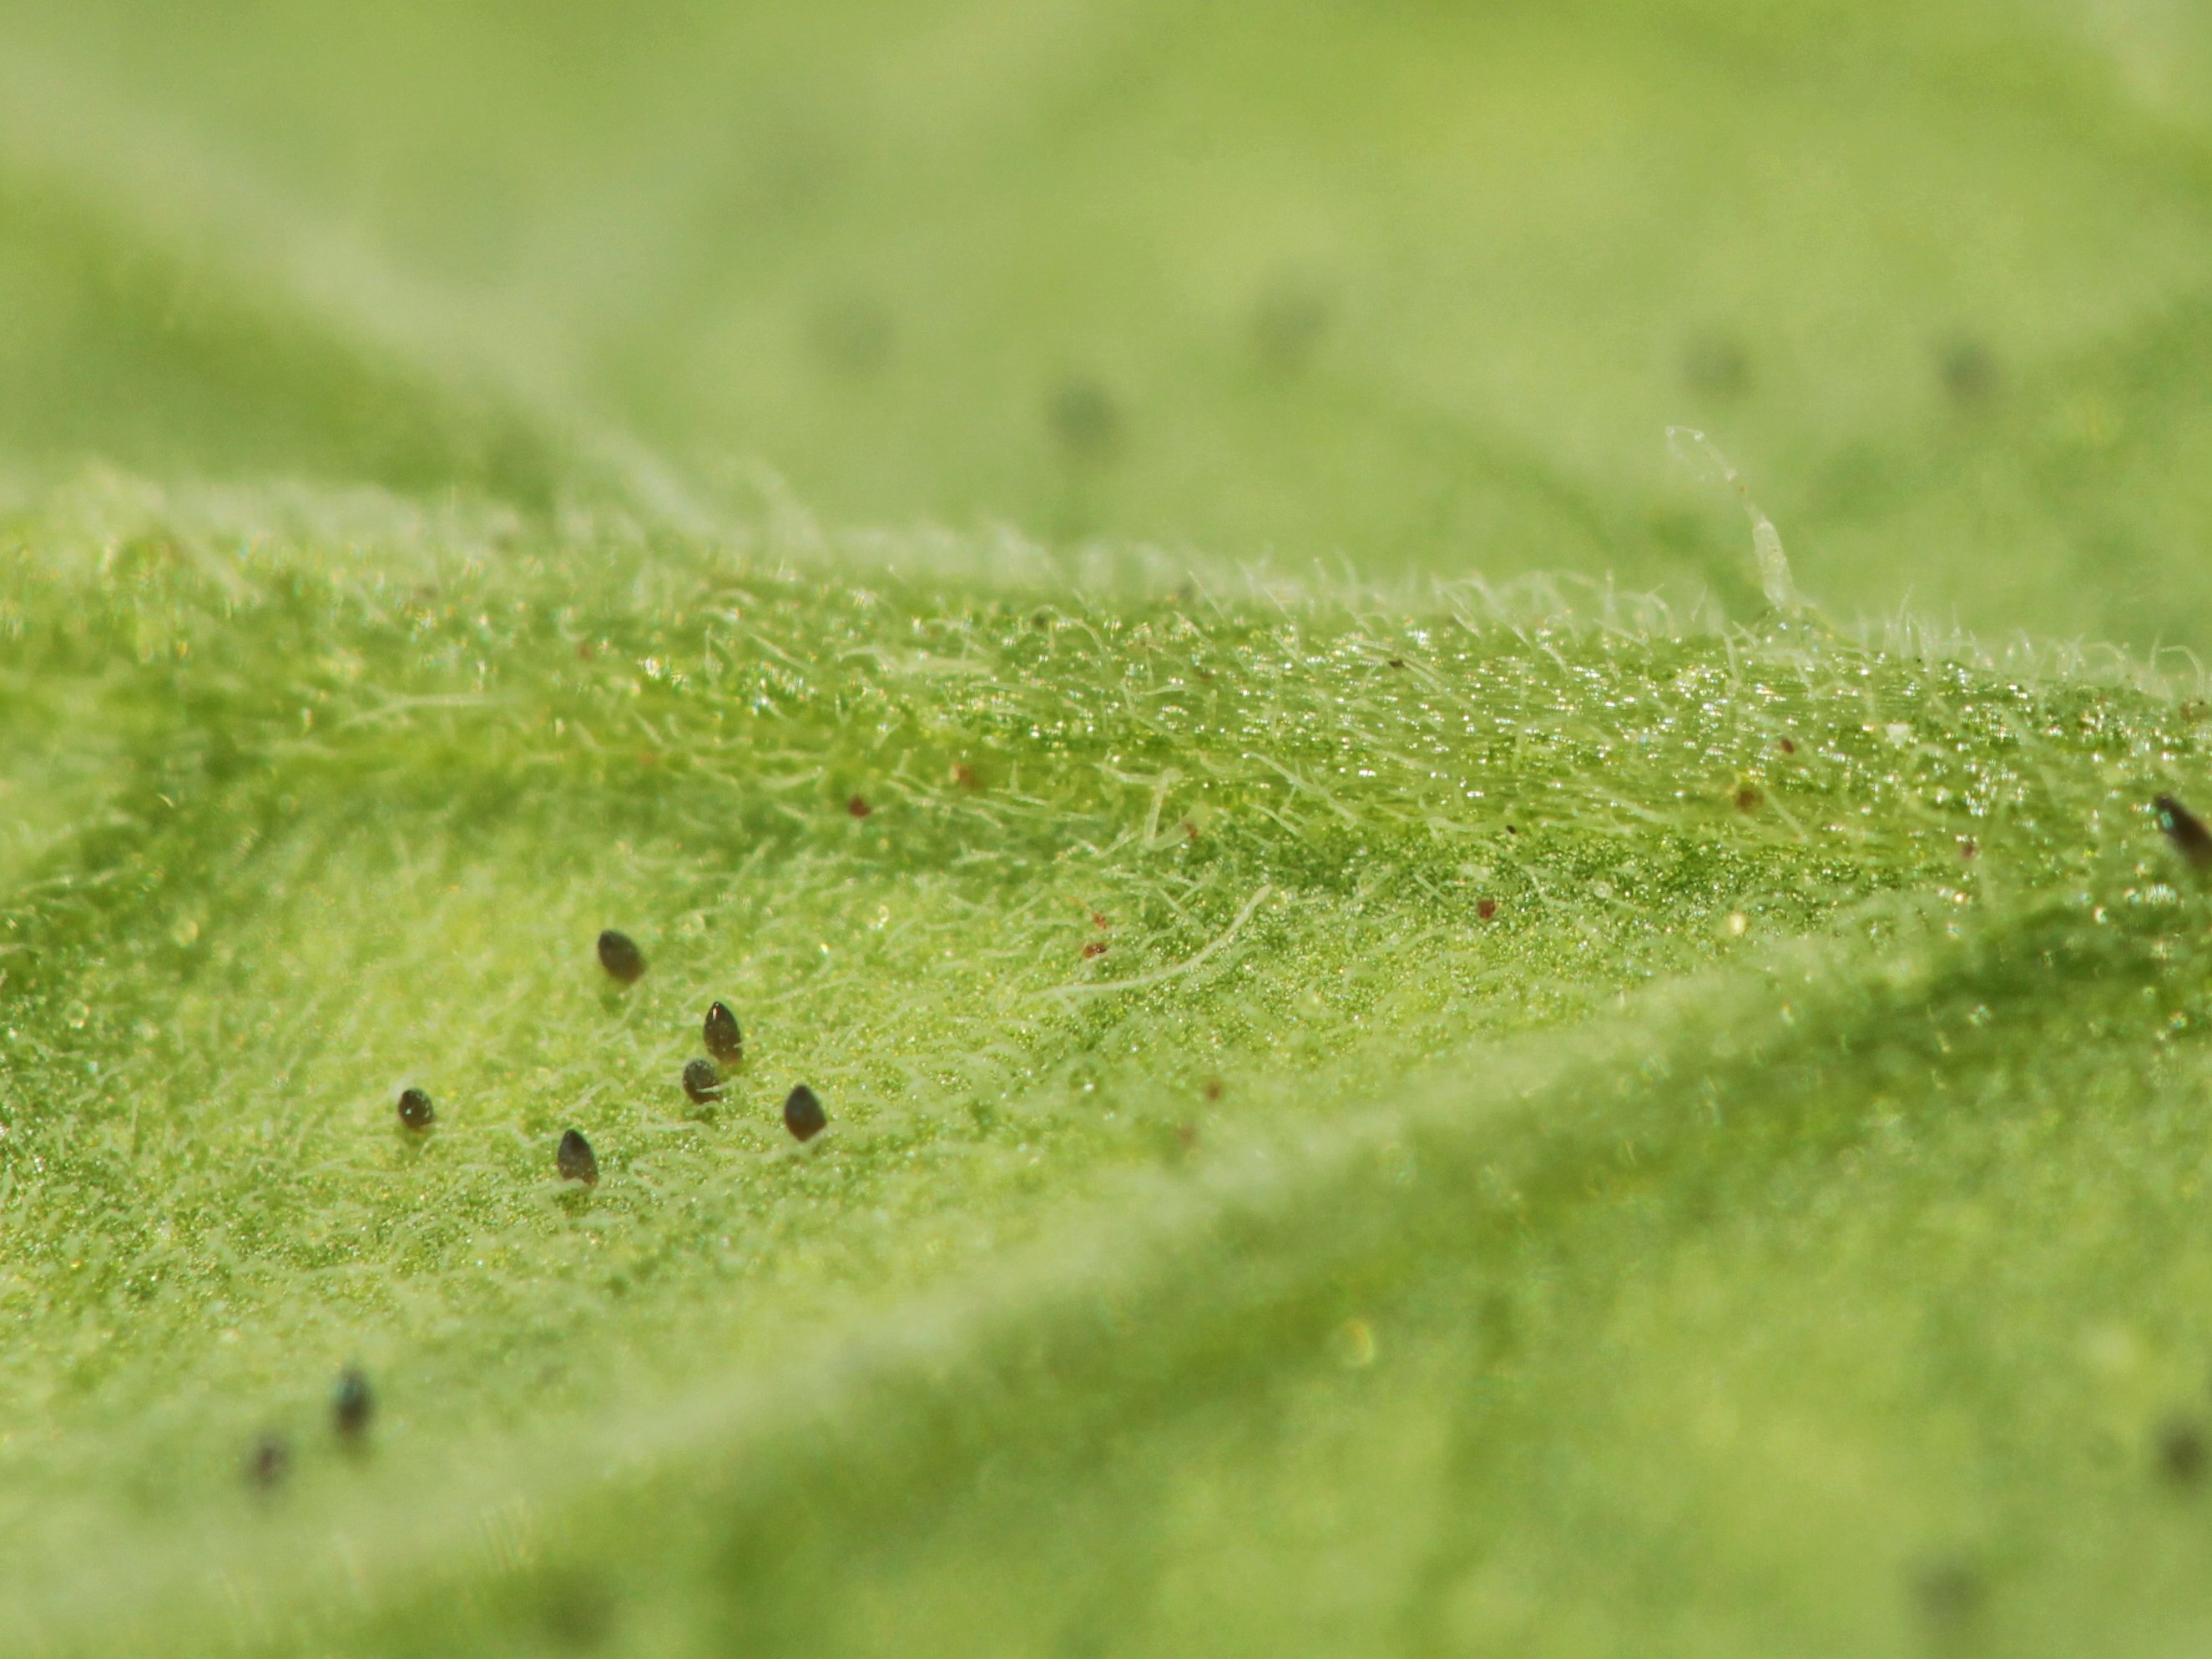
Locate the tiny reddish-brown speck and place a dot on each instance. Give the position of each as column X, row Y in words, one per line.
column 1788, row 747
column 584, row 651
column 1189, row 830
column 1186, row 1133
column 1749, row 800
column 1487, row 909
column 964, row 775
column 1098, row 919
column 858, row 807
column 1213, row 1087
column 1969, row 848
column 1096, row 948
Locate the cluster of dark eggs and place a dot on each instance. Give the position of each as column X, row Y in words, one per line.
column 269, row 1461
column 573, row 1159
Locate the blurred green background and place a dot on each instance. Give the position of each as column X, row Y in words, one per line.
column 1404, row 286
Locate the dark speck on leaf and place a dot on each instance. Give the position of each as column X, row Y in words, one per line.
column 1969, row 371
column 1085, row 420
column 1096, row 948
column 620, row 956
column 415, row 1111
column 1289, row 322
column 2186, row 831
column 803, row 1114
column 702, row 1082
column 267, row 1461
column 1969, row 849
column 1485, row 907
column 1788, row 747
column 724, row 1041
column 1512, row 829
column 1397, row 662
column 579, row 1613
column 351, row 1403
column 575, row 1160
column 1213, row 1088
column 2181, row 1451
column 1949, row 1592
column 1717, row 366
column 1748, row 798
column 858, row 807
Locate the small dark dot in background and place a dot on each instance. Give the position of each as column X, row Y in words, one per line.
column 1485, row 907
column 1969, row 849
column 1096, row 948
column 853, row 337
column 702, row 1082
column 351, row 1403
column 2185, row 830
column 1397, row 662
column 1717, row 366
column 1083, row 417
column 268, row 1460
column 965, row 775
column 803, row 1114
column 1186, row 1135
column 1969, row 372
column 620, row 956
column 1948, row 1593
column 858, row 807
column 1512, row 829
column 1749, row 800
column 1213, row 1088
column 1788, row 747
column 415, row 1111
column 2181, row 1451
column 724, row 1041
column 579, row 1613
column 1288, row 322
column 575, row 1160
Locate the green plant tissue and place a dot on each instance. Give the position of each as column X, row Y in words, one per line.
column 1358, row 1019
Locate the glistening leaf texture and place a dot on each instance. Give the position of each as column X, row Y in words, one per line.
column 1376, row 1102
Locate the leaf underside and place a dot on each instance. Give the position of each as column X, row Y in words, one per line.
column 1370, row 1110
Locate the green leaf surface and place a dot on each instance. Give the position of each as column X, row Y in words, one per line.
column 1084, row 569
